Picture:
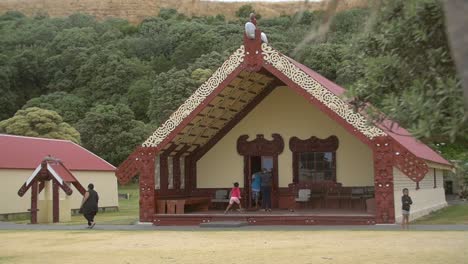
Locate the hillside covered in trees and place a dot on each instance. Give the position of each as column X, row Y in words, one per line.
column 108, row 84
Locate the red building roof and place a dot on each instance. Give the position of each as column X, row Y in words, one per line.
column 398, row 133
column 19, row 152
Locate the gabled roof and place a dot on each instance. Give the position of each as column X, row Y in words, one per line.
column 52, row 169
column 19, row 152
column 247, row 77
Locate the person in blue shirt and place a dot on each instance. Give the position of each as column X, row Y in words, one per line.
column 256, row 185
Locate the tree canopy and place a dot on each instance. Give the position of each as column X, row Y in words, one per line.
column 37, row 122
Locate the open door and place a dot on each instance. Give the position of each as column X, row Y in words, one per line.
column 257, row 164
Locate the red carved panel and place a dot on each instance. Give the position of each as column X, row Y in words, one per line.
column 253, row 59
column 188, row 169
column 146, row 162
column 383, row 180
column 412, row 166
column 260, row 146
column 314, row 144
column 128, row 169
column 163, row 173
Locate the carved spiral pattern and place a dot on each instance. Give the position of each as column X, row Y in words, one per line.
column 322, row 94
column 196, row 98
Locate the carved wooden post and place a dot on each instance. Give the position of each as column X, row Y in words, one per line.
column 383, row 180
column 146, row 159
column 55, row 202
column 34, row 192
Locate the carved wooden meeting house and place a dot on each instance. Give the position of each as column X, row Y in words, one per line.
column 262, row 109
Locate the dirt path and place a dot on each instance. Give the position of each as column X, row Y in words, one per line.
column 232, row 247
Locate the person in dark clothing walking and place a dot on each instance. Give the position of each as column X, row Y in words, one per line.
column 89, row 205
column 266, row 179
column 406, row 203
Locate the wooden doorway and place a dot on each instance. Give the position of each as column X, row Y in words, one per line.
column 260, row 153
column 256, row 164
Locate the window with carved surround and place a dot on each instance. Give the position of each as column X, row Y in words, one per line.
column 314, row 159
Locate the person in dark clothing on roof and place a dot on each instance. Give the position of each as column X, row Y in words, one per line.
column 89, row 205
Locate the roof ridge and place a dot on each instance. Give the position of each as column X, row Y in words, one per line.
column 36, row 138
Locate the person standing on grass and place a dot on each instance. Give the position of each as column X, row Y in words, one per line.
column 406, row 203
column 89, row 205
column 235, row 197
column 266, row 179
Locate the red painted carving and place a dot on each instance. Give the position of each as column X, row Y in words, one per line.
column 383, row 180
column 314, row 144
column 253, row 59
column 412, row 166
column 128, row 169
column 260, row 146
column 146, row 165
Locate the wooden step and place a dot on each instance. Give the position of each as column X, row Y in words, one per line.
column 224, row 224
column 191, row 220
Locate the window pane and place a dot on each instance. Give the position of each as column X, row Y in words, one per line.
column 316, row 166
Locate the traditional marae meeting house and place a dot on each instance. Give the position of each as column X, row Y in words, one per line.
column 261, row 109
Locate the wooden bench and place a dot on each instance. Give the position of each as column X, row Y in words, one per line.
column 177, row 205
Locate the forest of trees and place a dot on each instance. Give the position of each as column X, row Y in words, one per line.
column 108, row 84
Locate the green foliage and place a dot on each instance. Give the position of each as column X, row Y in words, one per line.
column 112, row 132
column 138, row 98
column 324, row 58
column 37, row 122
column 245, row 11
column 71, row 107
column 404, row 67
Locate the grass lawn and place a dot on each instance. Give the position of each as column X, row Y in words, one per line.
column 127, row 214
column 455, row 214
column 92, row 246
column 128, row 210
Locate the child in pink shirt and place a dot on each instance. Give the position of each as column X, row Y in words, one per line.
column 235, row 197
